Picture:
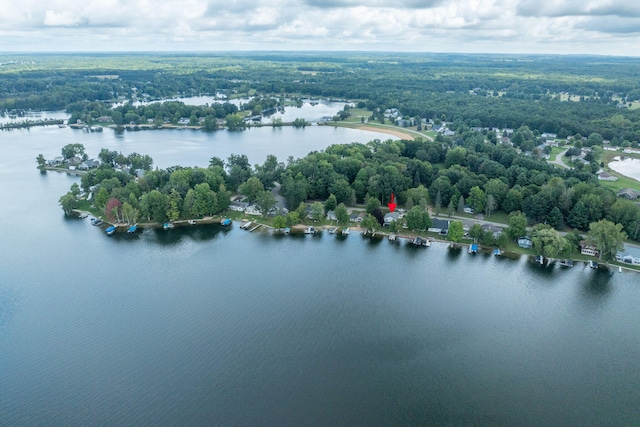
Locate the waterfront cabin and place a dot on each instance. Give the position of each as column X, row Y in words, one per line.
column 440, row 226
column 586, row 249
column 391, row 217
column 525, row 242
column 629, row 255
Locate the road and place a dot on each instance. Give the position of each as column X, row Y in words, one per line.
column 558, row 160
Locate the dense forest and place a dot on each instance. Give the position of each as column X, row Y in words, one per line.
column 566, row 95
column 485, row 177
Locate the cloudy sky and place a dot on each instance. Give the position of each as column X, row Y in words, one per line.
column 608, row 27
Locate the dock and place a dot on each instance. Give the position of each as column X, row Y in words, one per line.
column 255, row 227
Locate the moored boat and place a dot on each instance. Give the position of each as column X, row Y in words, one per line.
column 167, row 225
column 96, row 221
column 110, row 230
column 132, row 229
column 309, row 230
column 226, row 221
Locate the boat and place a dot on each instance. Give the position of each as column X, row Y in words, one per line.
column 345, row 231
column 427, row 242
column 333, row 230
column 192, row 222
column 417, row 241
column 392, row 237
column 540, row 259
column 593, row 264
column 287, row 230
column 110, row 230
column 497, row 252
column 473, row 248
column 96, row 221
column 167, row 225
column 246, row 225
column 226, row 221
column 132, row 229
column 566, row 263
column 83, row 215
column 310, row 230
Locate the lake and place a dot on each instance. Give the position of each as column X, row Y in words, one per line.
column 220, row 326
column 627, row 167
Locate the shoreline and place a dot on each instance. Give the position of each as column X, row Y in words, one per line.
column 299, row 228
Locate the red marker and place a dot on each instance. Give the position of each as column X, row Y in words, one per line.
column 392, row 205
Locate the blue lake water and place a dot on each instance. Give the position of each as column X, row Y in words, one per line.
column 213, row 326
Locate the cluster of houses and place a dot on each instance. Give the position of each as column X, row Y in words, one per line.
column 74, row 163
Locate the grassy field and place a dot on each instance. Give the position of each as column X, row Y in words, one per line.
column 623, row 181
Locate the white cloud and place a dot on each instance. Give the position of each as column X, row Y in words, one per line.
column 537, row 26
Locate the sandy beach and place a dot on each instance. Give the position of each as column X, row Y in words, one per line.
column 393, row 132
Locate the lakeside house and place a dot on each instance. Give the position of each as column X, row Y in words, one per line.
column 497, row 231
column 629, row 255
column 589, row 250
column 629, row 193
column 525, row 242
column 331, row 216
column 605, row 176
column 356, row 217
column 89, row 164
column 391, row 217
column 440, row 226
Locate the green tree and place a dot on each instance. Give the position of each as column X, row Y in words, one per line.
column 476, row 232
column 317, row 211
column 68, row 202
column 370, row 223
column 41, row 160
column 331, row 203
column 490, row 205
column 129, row 213
column 75, row 189
column 71, row 150
column 456, row 231
column 476, row 199
column 265, row 201
column 342, row 214
column 372, row 204
column 292, row 218
column 461, row 204
column 555, row 218
column 415, row 218
column 547, row 241
column 517, row 225
column 607, row 237
column 438, row 203
column 101, row 198
column 234, row 122
column 251, row 188
column 279, row 222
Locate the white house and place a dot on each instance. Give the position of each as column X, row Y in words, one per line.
column 390, row 217
column 525, row 242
